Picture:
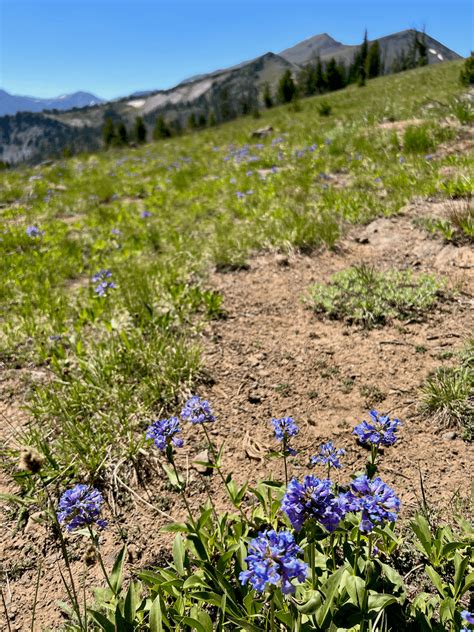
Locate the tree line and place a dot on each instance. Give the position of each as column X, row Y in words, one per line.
column 316, row 77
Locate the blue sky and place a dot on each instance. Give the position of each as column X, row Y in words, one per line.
column 114, row 47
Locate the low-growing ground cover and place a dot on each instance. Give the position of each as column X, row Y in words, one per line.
column 112, row 316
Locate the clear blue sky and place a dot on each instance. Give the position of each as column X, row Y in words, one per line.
column 114, row 47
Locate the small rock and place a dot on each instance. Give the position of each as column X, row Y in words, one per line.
column 449, row 436
column 282, row 261
column 254, row 398
column 262, row 131
column 199, row 467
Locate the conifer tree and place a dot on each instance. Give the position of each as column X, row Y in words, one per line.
column 286, row 88
column 335, row 80
column 267, row 96
column 320, row 78
column 161, row 130
column 466, row 75
column 202, row 120
column 108, row 132
column 373, row 60
column 140, row 130
column 122, row 136
column 192, row 122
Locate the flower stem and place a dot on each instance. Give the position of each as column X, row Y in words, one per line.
column 218, row 468
column 312, row 563
column 182, row 492
column 95, row 542
column 272, row 614
column 62, row 543
column 357, row 551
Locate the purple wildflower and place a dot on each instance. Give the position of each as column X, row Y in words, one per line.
column 314, row 498
column 272, row 561
column 285, row 428
column 80, row 506
column 328, row 455
column 197, row 411
column 163, row 432
column 374, row 498
column 379, row 431
column 34, row 231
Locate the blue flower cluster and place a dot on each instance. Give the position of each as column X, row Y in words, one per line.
column 379, row 431
column 272, row 561
column 285, row 428
column 374, row 498
column 80, row 506
column 164, row 433
column 34, row 231
column 314, row 498
column 101, row 278
column 328, row 455
column 467, row 619
column 197, row 411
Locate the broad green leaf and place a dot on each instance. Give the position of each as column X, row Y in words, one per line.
column 131, row 602
column 116, row 576
column 179, row 554
column 355, row 587
column 155, row 616
column 379, row 601
column 436, row 579
column 422, row 530
column 102, row 620
column 330, row 590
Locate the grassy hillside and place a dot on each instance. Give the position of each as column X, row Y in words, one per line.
column 160, row 217
column 134, row 277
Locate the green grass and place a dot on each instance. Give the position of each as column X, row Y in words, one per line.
column 457, row 227
column 448, row 394
column 112, row 363
column 363, row 296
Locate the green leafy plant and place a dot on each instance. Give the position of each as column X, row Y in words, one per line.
column 365, row 296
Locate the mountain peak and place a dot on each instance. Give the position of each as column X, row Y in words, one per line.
column 13, row 103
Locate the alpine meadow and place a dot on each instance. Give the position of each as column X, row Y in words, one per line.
column 237, row 370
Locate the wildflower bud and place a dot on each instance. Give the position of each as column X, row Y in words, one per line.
column 31, row 460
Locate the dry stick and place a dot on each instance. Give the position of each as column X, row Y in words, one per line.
column 145, row 502
column 5, row 610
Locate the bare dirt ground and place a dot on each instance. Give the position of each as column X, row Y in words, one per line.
column 272, row 357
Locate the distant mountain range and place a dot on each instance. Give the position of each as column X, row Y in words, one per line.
column 13, row 103
column 39, row 134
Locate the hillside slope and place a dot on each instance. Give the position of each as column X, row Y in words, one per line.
column 222, row 94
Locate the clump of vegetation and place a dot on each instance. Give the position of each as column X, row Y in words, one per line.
column 324, row 108
column 364, row 296
column 418, row 139
column 466, row 75
column 462, row 109
column 448, row 393
column 458, row 227
column 308, row 554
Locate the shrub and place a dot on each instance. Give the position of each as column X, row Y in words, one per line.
column 367, row 297
column 418, row 139
column 449, row 394
column 467, row 71
column 324, row 109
